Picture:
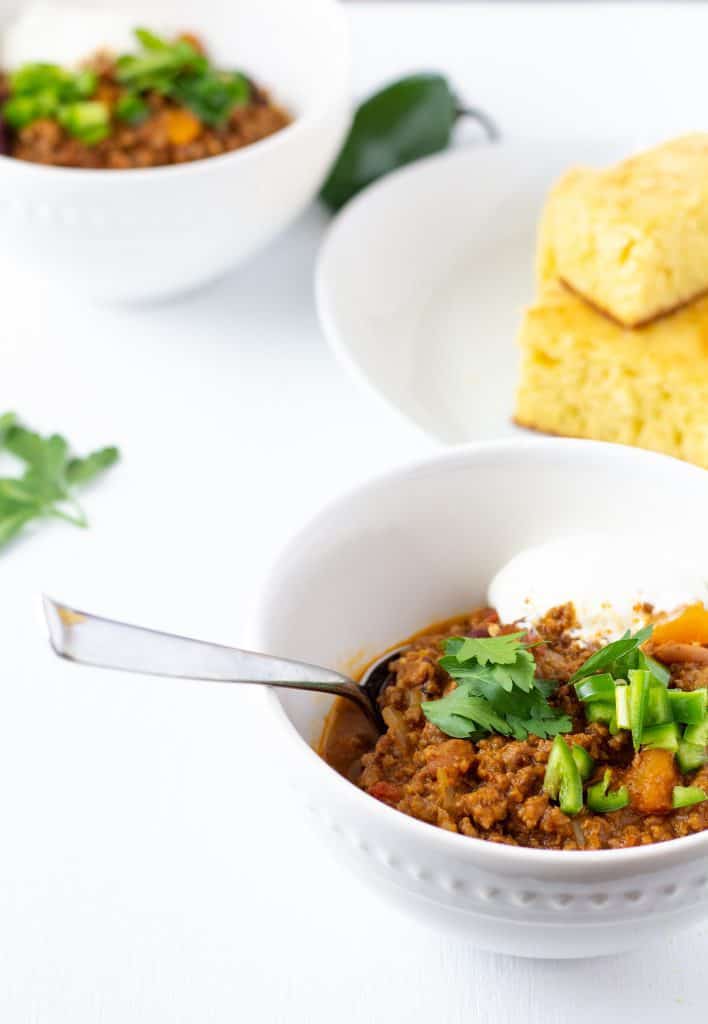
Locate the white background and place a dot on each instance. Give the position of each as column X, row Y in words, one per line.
column 153, row 868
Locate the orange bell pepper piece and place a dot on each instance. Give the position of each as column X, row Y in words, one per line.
column 691, row 627
column 182, row 127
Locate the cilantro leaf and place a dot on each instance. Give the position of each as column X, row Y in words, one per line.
column 466, row 714
column 494, row 650
column 496, row 691
column 44, row 488
column 546, row 686
column 150, row 40
column 211, row 95
column 179, row 71
column 46, row 456
column 131, row 108
column 510, row 662
column 519, row 675
column 462, row 714
column 7, row 420
column 11, row 524
column 80, row 471
column 158, row 64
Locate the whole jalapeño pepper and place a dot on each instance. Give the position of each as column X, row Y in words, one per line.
column 409, row 119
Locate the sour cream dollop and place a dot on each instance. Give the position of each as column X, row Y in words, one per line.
column 607, row 578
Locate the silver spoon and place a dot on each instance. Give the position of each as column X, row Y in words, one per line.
column 92, row 640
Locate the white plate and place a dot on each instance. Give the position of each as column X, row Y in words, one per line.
column 422, row 279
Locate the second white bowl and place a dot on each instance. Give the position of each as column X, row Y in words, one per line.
column 143, row 234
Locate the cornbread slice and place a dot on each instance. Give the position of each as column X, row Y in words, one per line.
column 584, row 376
column 633, row 239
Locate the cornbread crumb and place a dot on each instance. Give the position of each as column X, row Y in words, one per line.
column 584, row 376
column 632, row 239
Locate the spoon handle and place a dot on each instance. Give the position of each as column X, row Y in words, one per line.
column 92, row 640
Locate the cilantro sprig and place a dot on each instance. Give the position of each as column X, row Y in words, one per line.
column 496, row 691
column 44, row 488
column 181, row 72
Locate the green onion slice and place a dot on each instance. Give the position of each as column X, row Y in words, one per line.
column 688, row 706
column 583, row 761
column 658, row 671
column 638, row 699
column 697, row 733
column 665, row 736
column 691, row 756
column 600, row 711
column 602, row 802
column 88, row 121
column 658, row 705
column 600, row 687
column 562, row 780
column 622, row 705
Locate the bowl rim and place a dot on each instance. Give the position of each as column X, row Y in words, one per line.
column 562, row 864
column 326, row 101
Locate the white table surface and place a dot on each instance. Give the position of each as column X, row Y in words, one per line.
column 141, row 879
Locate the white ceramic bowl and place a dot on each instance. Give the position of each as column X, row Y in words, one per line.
column 144, row 234
column 420, row 544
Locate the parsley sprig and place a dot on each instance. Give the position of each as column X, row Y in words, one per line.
column 496, row 691
column 44, row 489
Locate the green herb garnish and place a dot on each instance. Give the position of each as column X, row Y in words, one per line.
column 496, row 691
column 158, row 63
column 600, row 711
column 639, row 683
column 176, row 70
column 596, row 688
column 44, row 489
column 179, row 71
column 45, row 79
column 661, row 737
column 88, row 121
column 49, row 91
column 687, row 796
column 690, row 756
column 688, row 706
column 562, row 781
column 645, row 705
column 510, row 662
column 616, row 658
column 211, row 95
column 584, row 762
column 131, row 108
column 658, row 704
column 622, row 718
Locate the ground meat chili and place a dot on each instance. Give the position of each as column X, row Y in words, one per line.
column 493, row 788
column 144, row 127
